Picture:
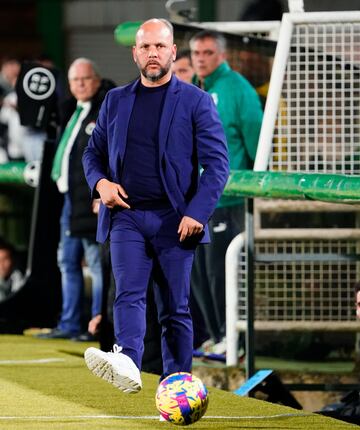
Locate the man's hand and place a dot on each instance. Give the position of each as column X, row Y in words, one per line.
column 111, row 194
column 189, row 227
column 94, row 324
column 95, row 206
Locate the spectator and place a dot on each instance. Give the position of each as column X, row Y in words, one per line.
column 357, row 299
column 143, row 160
column 78, row 220
column 11, row 278
column 9, row 73
column 240, row 111
column 357, row 309
column 3, row 133
column 12, row 132
column 182, row 66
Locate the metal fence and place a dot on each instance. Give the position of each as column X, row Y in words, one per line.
column 303, row 278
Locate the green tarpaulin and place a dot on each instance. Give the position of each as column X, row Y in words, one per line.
column 12, row 172
column 296, row 186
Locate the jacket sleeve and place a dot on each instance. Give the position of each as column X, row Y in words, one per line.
column 213, row 158
column 95, row 157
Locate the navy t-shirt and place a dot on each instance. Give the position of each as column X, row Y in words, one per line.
column 141, row 170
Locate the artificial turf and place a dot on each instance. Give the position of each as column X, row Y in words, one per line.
column 45, row 385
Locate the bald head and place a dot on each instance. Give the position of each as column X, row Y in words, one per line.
column 154, row 51
column 156, row 24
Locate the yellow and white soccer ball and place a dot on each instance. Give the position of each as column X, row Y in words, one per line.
column 182, row 398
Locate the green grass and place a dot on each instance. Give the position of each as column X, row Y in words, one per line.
column 64, row 395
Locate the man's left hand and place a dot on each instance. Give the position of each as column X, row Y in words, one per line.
column 189, row 227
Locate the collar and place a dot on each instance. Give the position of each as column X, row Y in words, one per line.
column 84, row 105
column 173, row 85
column 210, row 80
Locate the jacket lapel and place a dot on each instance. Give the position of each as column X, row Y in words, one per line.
column 170, row 103
column 123, row 118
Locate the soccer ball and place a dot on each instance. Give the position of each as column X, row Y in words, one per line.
column 182, row 398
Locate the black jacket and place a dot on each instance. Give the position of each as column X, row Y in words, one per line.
column 83, row 222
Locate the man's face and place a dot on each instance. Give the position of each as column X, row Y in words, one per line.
column 6, row 264
column 83, row 81
column 154, row 51
column 358, row 304
column 10, row 70
column 183, row 69
column 206, row 56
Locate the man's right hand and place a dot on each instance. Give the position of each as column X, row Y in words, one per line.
column 111, row 194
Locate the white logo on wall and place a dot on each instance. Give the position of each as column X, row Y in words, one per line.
column 39, row 83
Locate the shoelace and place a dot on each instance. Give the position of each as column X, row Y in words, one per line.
column 116, row 348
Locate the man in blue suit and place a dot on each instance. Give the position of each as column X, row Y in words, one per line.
column 143, row 159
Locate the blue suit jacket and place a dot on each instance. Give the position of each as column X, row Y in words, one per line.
column 190, row 134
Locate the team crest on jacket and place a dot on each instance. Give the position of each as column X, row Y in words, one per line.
column 215, row 97
column 90, row 127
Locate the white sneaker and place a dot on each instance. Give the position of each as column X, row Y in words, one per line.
column 220, row 348
column 162, row 419
column 207, row 345
column 116, row 368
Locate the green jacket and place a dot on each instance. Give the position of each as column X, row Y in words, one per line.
column 241, row 114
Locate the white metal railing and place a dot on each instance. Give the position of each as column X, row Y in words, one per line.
column 314, row 88
column 312, row 115
column 232, row 296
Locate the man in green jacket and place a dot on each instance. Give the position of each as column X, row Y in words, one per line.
column 241, row 113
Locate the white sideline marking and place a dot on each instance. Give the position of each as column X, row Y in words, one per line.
column 39, row 361
column 146, row 417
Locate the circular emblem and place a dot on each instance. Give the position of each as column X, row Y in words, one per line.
column 39, row 83
column 215, row 97
column 90, row 127
column 32, row 173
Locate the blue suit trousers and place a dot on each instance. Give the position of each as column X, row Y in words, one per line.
column 145, row 243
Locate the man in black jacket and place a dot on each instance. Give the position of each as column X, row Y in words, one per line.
column 78, row 219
